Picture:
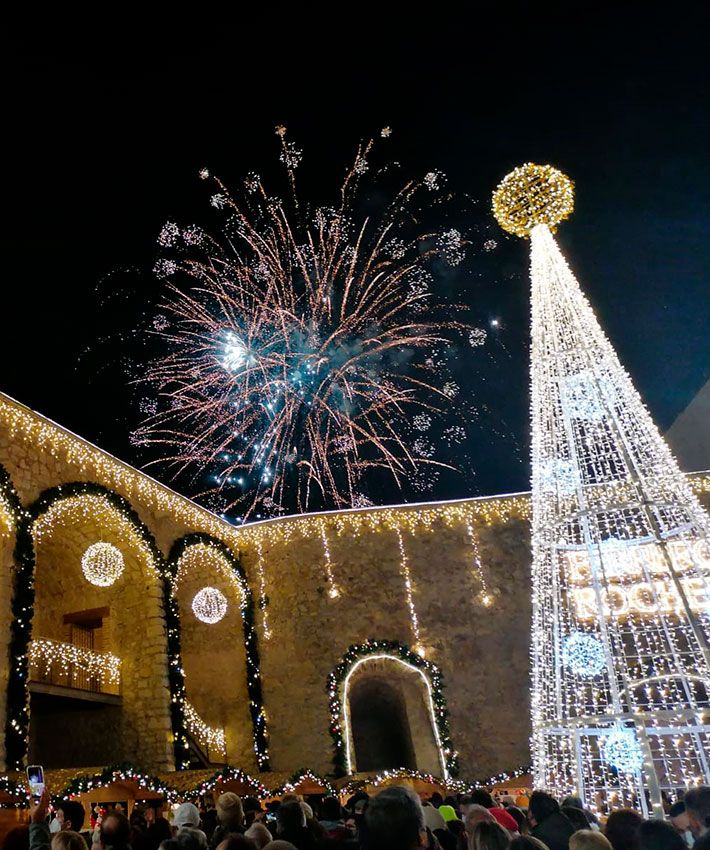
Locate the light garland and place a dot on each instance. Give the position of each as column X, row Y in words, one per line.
column 531, row 195
column 621, row 547
column 117, row 773
column 231, row 774
column 102, row 564
column 263, row 598
column 47, row 655
column 298, row 779
column 211, row 738
column 333, row 590
column 209, row 605
column 485, row 596
column 408, row 592
column 337, row 688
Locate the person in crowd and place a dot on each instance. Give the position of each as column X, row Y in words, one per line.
column 191, row 838
column 158, row 829
column 186, row 814
column 395, row 820
column 489, row 836
column 279, row 845
column 527, row 842
column 483, row 798
column 621, row 828
column 697, row 805
column 291, row 825
column 589, row 839
column 433, row 817
column 115, row 831
column 658, row 835
column 681, row 822
column 331, row 819
column 519, row 817
column 237, row 841
column 258, row 834
column 576, row 817
column 70, row 815
column 436, row 799
column 475, row 814
column 547, row 822
column 17, row 838
column 253, row 810
column 230, row 817
column 576, row 802
column 67, row 839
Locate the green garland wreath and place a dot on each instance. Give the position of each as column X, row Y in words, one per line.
column 17, row 724
column 251, row 644
column 374, row 647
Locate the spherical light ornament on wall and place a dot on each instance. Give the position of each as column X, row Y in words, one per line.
column 209, row 605
column 530, row 195
column 102, row 564
column 621, row 749
column 584, row 654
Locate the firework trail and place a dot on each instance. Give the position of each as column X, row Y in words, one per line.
column 301, row 344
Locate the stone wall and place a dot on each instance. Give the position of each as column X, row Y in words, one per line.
column 325, row 582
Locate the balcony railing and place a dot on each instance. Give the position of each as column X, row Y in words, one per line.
column 209, row 738
column 56, row 663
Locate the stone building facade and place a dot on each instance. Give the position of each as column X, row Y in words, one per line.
column 338, row 625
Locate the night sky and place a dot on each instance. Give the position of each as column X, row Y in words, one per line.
column 106, row 142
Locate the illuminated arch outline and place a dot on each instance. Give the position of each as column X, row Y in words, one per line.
column 373, row 650
column 17, row 723
column 251, row 644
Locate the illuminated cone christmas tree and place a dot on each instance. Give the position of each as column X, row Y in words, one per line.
column 621, row 550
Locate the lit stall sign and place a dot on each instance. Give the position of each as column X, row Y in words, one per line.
column 635, row 578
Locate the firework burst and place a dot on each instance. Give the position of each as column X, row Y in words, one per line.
column 299, row 344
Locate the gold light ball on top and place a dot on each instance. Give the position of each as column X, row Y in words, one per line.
column 102, row 564
column 209, row 605
column 530, row 195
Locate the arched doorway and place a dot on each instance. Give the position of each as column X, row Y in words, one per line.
column 379, row 725
column 388, row 715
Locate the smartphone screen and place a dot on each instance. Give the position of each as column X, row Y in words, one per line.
column 35, row 779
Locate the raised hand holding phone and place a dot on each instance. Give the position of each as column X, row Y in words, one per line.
column 38, row 814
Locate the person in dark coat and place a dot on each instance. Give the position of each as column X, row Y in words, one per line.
column 547, row 822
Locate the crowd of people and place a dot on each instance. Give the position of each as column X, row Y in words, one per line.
column 394, row 819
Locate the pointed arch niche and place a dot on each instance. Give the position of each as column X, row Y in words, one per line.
column 388, row 711
column 220, row 659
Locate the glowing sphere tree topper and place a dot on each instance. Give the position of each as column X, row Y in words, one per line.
column 533, row 194
column 584, row 654
column 102, row 564
column 209, row 605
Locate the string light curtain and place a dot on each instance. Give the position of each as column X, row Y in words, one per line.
column 621, row 561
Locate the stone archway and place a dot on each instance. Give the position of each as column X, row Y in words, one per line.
column 220, row 659
column 71, row 700
column 401, row 705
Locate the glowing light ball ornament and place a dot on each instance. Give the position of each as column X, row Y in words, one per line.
column 622, row 750
column 584, row 654
column 209, row 605
column 102, row 564
column 530, row 195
